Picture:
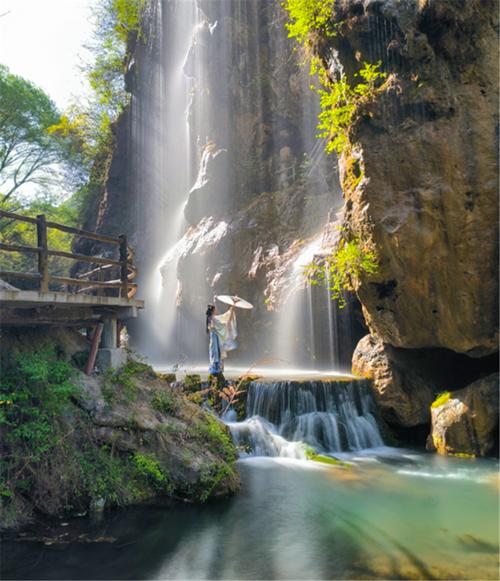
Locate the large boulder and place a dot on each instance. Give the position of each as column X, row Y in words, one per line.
column 466, row 422
column 401, row 391
column 148, row 416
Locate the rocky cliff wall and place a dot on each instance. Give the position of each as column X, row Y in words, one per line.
column 260, row 183
column 427, row 198
column 427, row 148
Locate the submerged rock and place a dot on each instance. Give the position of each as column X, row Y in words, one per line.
column 467, row 421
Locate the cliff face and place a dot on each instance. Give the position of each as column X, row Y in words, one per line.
column 425, row 151
column 428, row 148
column 258, row 184
column 427, row 199
column 428, row 151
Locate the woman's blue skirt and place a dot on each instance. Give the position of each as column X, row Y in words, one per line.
column 214, row 354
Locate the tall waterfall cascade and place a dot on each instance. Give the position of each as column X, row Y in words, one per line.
column 231, row 176
column 285, row 418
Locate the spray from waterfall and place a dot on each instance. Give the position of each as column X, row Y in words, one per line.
column 217, row 123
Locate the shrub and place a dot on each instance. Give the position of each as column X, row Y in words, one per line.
column 149, row 469
column 339, row 101
column 342, row 269
column 192, row 382
column 308, row 16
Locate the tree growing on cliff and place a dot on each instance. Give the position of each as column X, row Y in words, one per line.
column 341, row 99
column 116, row 24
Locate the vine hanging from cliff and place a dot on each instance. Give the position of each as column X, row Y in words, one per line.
column 340, row 101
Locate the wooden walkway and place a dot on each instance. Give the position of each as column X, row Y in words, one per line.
column 105, row 291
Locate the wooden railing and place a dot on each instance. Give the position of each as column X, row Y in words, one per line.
column 123, row 265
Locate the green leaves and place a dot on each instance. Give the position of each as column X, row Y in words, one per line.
column 342, row 269
column 30, row 153
column 39, row 388
column 340, row 103
column 115, row 22
column 149, row 469
column 308, row 17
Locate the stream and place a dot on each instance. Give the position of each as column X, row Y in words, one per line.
column 386, row 513
column 397, row 514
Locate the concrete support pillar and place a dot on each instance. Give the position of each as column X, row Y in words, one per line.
column 109, row 334
column 109, row 355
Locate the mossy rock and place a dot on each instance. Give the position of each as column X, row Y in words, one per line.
column 192, row 382
column 113, row 439
column 167, row 377
column 322, row 459
column 441, row 399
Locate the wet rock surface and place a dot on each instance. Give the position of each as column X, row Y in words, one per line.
column 467, row 423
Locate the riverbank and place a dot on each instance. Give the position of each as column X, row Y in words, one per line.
column 72, row 443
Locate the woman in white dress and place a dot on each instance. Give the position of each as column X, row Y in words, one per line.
column 222, row 333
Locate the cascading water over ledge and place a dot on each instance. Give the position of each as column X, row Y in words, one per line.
column 284, row 417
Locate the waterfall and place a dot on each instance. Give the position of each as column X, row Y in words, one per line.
column 311, row 331
column 223, row 115
column 330, row 416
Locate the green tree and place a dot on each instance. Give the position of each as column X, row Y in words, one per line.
column 24, row 234
column 116, row 22
column 35, row 145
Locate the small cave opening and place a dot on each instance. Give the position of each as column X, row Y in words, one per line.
column 445, row 370
column 449, row 369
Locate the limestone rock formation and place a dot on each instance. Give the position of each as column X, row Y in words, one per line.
column 402, row 392
column 467, row 422
column 208, row 186
column 427, row 202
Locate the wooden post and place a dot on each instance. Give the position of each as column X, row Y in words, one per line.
column 43, row 257
column 96, row 339
column 124, row 266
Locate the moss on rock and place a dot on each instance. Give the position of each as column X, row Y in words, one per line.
column 71, row 442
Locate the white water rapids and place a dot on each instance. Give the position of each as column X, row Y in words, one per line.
column 284, row 418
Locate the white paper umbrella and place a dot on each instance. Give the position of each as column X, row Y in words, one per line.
column 234, row 301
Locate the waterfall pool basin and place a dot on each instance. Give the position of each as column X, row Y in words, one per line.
column 395, row 514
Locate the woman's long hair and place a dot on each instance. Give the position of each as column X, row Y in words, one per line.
column 209, row 314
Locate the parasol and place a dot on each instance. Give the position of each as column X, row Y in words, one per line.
column 234, row 301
